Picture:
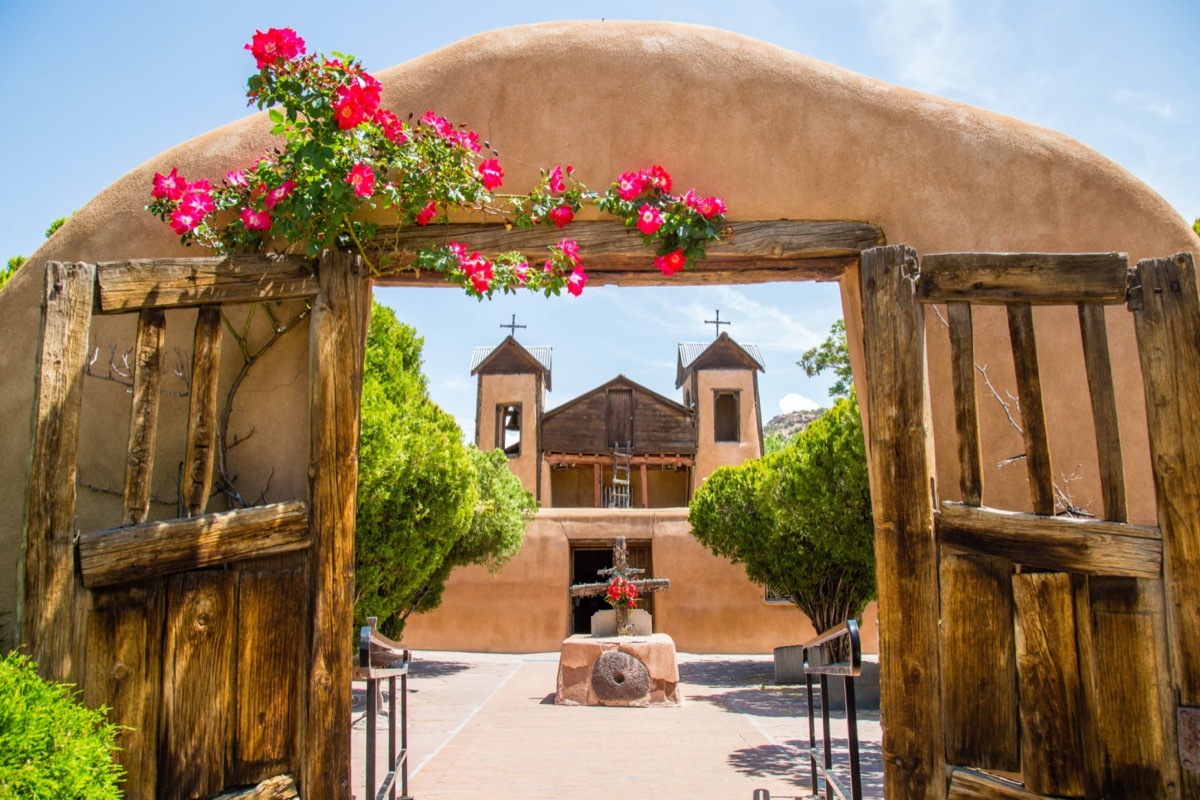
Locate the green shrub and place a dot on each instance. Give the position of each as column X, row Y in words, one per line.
column 51, row 747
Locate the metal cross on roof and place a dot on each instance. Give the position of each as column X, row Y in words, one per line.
column 718, row 322
column 512, row 326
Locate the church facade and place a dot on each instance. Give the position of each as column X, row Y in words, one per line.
column 618, row 460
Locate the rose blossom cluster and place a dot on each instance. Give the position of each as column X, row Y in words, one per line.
column 370, row 158
column 621, row 593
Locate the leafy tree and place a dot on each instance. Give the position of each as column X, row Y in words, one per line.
column 800, row 519
column 831, row 354
column 50, row 745
column 1196, row 226
column 16, row 261
column 426, row 502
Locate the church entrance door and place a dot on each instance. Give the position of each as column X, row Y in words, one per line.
column 587, row 559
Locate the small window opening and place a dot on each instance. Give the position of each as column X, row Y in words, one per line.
column 508, row 428
column 725, row 416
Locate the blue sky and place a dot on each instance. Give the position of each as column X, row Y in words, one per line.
column 91, row 90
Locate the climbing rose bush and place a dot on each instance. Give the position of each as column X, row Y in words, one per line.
column 342, row 153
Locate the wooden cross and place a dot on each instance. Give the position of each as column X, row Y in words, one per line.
column 718, row 322
column 621, row 569
column 512, row 326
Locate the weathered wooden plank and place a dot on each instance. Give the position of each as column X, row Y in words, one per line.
column 1033, row 414
column 281, row 787
column 200, row 448
column 1038, row 278
column 181, row 282
column 50, row 631
column 611, row 247
column 124, row 674
column 968, row 785
column 126, row 555
column 143, row 421
column 1104, row 410
column 1063, row 544
column 966, row 414
column 597, row 488
column 979, row 691
column 337, row 335
column 197, row 698
column 905, row 551
column 1168, row 332
column 1167, row 322
column 1048, row 671
column 272, row 647
column 1122, row 658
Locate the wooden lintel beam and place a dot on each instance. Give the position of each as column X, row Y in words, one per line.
column 126, row 555
column 1037, row 278
column 1088, row 547
column 599, row 459
column 181, row 282
column 612, row 247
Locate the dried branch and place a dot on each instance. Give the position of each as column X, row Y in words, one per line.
column 120, row 370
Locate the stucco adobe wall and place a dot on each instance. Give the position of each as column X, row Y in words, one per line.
column 778, row 134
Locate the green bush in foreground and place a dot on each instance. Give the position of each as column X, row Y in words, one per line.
column 51, row 748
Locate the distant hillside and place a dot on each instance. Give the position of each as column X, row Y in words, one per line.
column 789, row 424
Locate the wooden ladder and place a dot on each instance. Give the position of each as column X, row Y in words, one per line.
column 618, row 496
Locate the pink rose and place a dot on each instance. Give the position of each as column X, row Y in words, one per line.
column 392, row 128
column 570, row 249
column 576, row 282
column 630, row 185
column 557, row 184
column 492, row 176
column 184, row 219
column 521, row 270
column 649, row 219
column 362, row 179
column 256, row 220
column 562, row 216
column 280, row 192
column 671, row 263
column 235, row 177
column 170, row 186
column 276, row 43
column 657, row 176
column 426, row 214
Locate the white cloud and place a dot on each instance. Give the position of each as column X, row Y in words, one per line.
column 796, row 402
column 1143, row 101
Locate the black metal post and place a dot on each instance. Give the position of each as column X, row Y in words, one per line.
column 825, row 735
column 392, row 732
column 404, row 729
column 812, row 735
column 372, row 710
column 852, row 738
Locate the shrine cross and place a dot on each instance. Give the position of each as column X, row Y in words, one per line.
column 512, row 326
column 718, row 322
column 621, row 569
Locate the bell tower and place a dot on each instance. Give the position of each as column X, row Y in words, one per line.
column 719, row 380
column 510, row 397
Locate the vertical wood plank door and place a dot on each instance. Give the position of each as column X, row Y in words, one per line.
column 618, row 417
column 1056, row 646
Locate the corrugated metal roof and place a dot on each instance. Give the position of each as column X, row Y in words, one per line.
column 690, row 351
column 542, row 354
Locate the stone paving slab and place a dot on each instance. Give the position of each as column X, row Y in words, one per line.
column 484, row 726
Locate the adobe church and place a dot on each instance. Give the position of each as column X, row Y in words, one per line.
column 619, row 460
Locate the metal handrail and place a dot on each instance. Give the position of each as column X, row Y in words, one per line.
column 374, row 647
column 818, row 660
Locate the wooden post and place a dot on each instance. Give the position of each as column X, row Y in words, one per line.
column 201, row 447
column 597, row 489
column 143, row 420
column 337, row 335
column 1167, row 321
column 51, row 631
column 645, row 488
column 905, row 551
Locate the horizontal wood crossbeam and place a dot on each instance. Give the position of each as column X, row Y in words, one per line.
column 1086, row 547
column 600, row 459
column 126, row 555
column 757, row 252
column 181, row 282
column 970, row 785
column 1036, row 278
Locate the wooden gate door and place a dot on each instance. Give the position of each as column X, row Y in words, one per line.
column 226, row 661
column 1034, row 655
column 618, row 417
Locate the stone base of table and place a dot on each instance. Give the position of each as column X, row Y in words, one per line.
column 618, row 671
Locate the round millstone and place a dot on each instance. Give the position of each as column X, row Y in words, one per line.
column 620, row 678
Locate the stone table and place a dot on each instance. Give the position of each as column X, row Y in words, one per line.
column 618, row 671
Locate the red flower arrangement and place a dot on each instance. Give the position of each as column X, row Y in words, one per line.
column 621, row 593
